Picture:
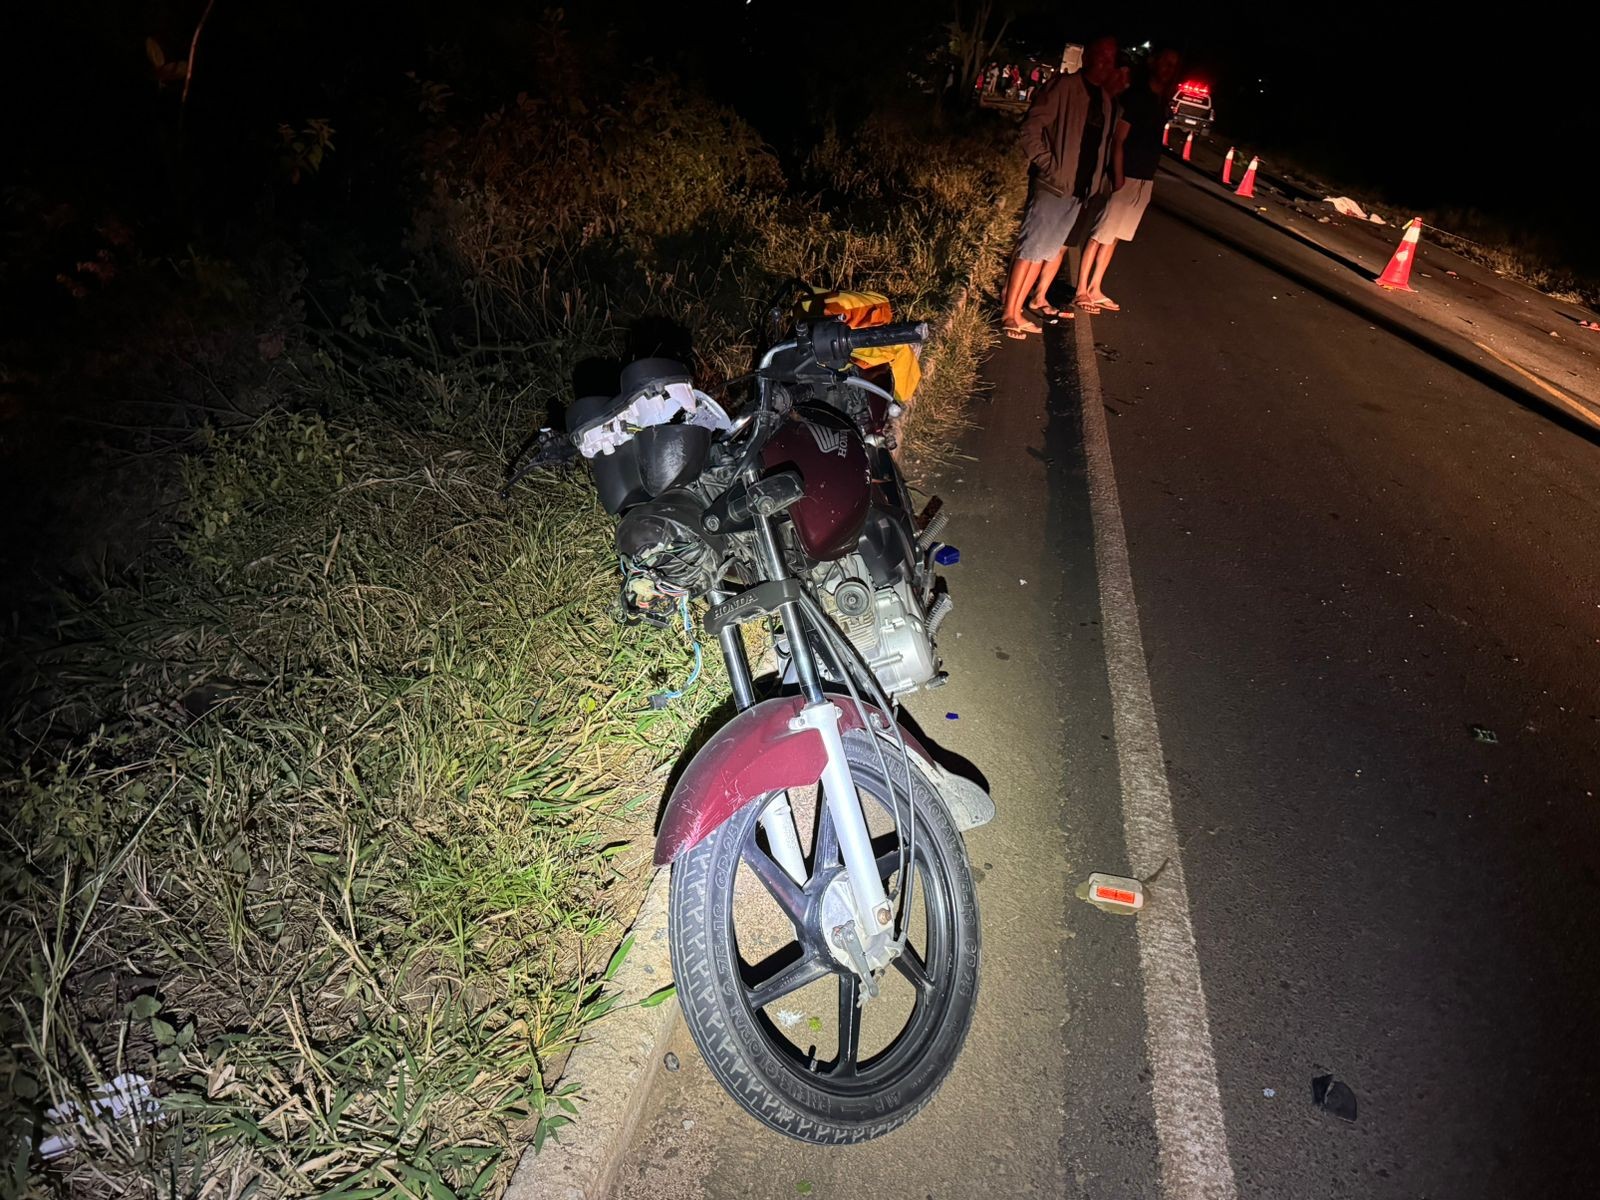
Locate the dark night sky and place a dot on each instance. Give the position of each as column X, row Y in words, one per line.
column 1442, row 112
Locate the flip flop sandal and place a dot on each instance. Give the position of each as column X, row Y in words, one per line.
column 1108, row 305
column 1019, row 335
column 1087, row 306
column 1049, row 313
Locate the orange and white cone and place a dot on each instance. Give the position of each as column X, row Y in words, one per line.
column 1227, row 168
column 1397, row 275
column 1165, row 129
column 1188, row 145
column 1247, row 185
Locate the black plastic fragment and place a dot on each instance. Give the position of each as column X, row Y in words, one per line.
column 1332, row 1095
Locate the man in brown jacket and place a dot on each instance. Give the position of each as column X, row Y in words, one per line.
column 1067, row 137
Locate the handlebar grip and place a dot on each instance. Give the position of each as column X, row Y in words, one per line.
column 896, row 333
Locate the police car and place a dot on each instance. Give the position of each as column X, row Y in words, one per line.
column 1191, row 106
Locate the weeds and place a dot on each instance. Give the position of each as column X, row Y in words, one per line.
column 325, row 814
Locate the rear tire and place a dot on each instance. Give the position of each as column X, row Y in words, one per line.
column 771, row 1077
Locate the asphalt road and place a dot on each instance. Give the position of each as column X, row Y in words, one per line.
column 1346, row 558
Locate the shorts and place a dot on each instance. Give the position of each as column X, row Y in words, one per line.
column 1126, row 205
column 1046, row 224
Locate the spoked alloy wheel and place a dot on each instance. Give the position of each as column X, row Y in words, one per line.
column 772, row 1009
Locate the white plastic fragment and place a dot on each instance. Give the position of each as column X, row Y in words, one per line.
column 126, row 1099
column 653, row 406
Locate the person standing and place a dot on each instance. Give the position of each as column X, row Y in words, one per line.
column 1135, row 154
column 1067, row 136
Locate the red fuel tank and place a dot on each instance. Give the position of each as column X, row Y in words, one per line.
column 823, row 446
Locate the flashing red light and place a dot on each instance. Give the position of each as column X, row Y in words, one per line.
column 1195, row 89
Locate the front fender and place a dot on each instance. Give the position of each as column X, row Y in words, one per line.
column 752, row 755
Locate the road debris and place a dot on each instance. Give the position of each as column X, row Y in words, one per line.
column 1269, row 1093
column 1333, row 1096
column 670, row 1062
column 1482, row 733
column 1112, row 893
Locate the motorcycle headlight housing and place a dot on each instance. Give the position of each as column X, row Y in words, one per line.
column 663, row 539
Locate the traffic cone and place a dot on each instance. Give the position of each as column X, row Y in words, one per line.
column 1247, row 185
column 1397, row 275
column 1188, row 145
column 1165, row 129
column 1227, row 168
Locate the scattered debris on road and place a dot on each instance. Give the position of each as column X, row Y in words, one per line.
column 1269, row 1093
column 1333, row 1096
column 1346, row 207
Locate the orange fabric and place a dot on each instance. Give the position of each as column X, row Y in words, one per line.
column 859, row 310
column 863, row 310
column 902, row 362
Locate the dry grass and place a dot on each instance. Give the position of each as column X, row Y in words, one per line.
column 324, row 818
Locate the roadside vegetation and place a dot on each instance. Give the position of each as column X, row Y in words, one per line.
column 328, row 801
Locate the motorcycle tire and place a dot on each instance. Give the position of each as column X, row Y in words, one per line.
column 776, row 1080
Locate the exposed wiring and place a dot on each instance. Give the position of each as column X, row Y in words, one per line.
column 662, row 699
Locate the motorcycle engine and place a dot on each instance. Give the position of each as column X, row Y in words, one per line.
column 887, row 625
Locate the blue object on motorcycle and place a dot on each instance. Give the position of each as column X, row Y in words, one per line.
column 947, row 556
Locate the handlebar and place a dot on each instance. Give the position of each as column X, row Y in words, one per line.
column 896, row 333
column 832, row 342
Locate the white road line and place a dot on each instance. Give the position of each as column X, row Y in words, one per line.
column 1189, row 1124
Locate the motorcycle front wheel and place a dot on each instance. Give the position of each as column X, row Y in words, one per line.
column 776, row 1016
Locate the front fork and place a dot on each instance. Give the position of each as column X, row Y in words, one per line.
column 873, row 913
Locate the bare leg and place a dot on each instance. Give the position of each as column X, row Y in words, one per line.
column 1091, row 255
column 1104, row 261
column 1047, row 276
column 1023, row 273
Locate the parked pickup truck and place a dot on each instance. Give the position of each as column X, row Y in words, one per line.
column 1191, row 106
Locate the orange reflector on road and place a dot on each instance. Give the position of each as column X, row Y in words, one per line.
column 1113, row 893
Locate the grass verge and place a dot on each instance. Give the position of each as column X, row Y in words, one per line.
column 324, row 813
